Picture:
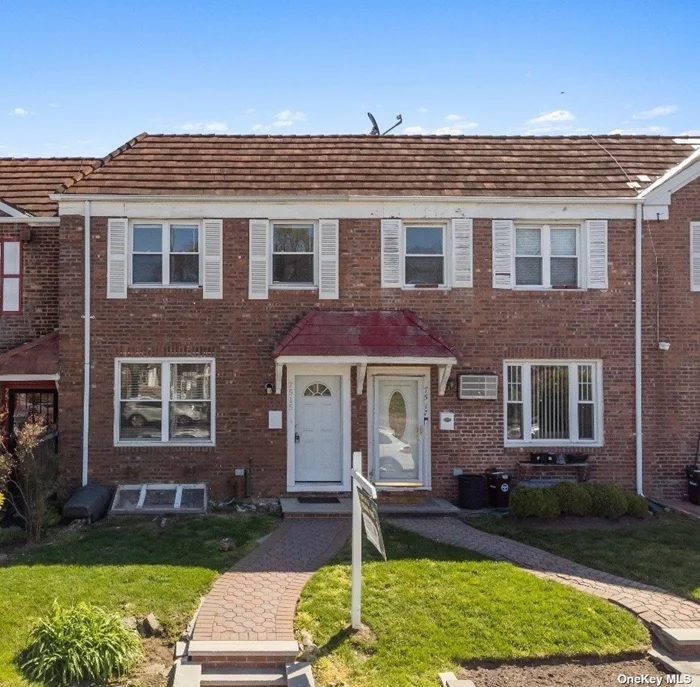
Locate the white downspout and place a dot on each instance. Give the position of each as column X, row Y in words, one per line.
column 639, row 422
column 86, row 343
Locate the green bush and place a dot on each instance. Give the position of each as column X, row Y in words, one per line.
column 526, row 502
column 608, row 500
column 79, row 644
column 573, row 498
column 637, row 506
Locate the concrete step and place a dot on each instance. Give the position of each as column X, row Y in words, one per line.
column 220, row 654
column 678, row 641
column 678, row 665
column 299, row 675
column 243, row 677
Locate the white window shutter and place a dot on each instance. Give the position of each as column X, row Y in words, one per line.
column 502, row 253
column 328, row 258
column 391, row 253
column 213, row 263
column 462, row 252
column 117, row 268
column 597, row 253
column 258, row 259
column 695, row 256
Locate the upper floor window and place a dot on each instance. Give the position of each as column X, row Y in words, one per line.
column 293, row 254
column 424, row 255
column 553, row 403
column 164, row 400
column 165, row 253
column 547, row 256
column 10, row 276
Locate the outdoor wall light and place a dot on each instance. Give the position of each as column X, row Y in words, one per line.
column 664, row 345
column 269, row 388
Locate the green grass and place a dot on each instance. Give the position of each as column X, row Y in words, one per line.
column 663, row 551
column 130, row 565
column 432, row 607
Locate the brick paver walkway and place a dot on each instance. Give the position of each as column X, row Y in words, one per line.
column 257, row 598
column 651, row 604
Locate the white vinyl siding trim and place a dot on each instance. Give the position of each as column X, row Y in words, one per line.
column 462, row 253
column 117, row 267
column 502, row 238
column 524, row 399
column 391, row 247
column 259, row 262
column 328, row 259
column 212, row 241
column 695, row 256
column 597, row 253
column 165, row 400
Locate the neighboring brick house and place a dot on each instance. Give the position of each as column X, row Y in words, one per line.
column 274, row 303
column 29, row 285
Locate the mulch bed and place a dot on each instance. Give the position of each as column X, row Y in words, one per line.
column 571, row 673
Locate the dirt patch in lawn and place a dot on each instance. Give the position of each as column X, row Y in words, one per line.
column 572, row 673
column 153, row 671
column 570, row 523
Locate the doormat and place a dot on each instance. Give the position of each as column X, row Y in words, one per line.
column 318, row 499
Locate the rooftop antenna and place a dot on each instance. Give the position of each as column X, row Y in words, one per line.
column 375, row 127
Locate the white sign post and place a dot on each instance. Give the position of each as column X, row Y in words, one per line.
column 358, row 482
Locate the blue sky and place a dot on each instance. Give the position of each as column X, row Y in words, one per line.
column 81, row 78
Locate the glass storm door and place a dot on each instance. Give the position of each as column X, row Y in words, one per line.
column 398, row 430
column 318, row 437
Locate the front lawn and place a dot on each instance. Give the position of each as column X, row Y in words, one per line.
column 130, row 564
column 662, row 551
column 432, row 607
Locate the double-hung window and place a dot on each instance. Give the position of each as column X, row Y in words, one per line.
column 553, row 403
column 547, row 256
column 10, row 276
column 294, row 254
column 164, row 400
column 165, row 253
column 424, row 255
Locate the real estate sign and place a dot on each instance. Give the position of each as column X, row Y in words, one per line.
column 370, row 517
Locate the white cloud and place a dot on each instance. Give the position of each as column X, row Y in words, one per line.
column 448, row 131
column 288, row 117
column 20, row 112
column 691, row 132
column 552, row 117
column 414, row 131
column 642, row 131
column 660, row 111
column 454, row 118
column 555, row 130
column 423, row 110
column 259, row 128
column 53, row 105
column 212, row 127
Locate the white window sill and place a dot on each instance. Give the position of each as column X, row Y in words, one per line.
column 148, row 287
column 164, row 444
column 293, row 287
column 441, row 287
column 552, row 444
column 549, row 289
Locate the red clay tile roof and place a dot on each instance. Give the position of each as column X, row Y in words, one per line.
column 25, row 183
column 363, row 334
column 38, row 357
column 384, row 165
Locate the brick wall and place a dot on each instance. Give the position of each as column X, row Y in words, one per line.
column 485, row 325
column 39, row 314
column 672, row 378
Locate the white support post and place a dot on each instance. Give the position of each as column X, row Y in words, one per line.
column 356, row 604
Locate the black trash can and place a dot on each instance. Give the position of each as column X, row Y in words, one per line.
column 692, row 472
column 499, row 487
column 472, row 492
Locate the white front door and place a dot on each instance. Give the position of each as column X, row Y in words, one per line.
column 318, row 437
column 400, row 431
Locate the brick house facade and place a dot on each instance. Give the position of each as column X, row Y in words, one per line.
column 580, row 340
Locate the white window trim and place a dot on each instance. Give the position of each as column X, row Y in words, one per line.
column 165, row 401
column 573, row 407
column 298, row 286
column 546, row 250
column 165, row 255
column 446, row 261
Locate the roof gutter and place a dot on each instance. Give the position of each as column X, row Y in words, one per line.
column 86, row 344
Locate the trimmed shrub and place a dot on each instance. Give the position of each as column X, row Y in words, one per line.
column 637, row 506
column 573, row 498
column 608, row 501
column 82, row 643
column 526, row 502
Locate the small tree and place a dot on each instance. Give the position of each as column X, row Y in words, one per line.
column 34, row 475
column 5, row 463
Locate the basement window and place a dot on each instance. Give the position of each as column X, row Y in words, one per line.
column 159, row 499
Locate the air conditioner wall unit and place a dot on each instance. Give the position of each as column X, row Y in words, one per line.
column 478, row 387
